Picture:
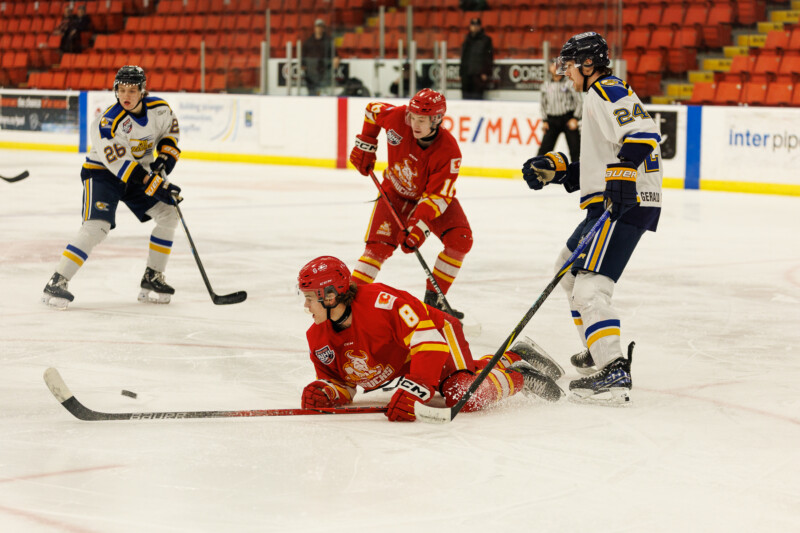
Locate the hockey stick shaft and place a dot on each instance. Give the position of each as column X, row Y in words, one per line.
column 24, row 174
column 232, row 298
column 443, row 415
column 62, row 393
column 428, row 273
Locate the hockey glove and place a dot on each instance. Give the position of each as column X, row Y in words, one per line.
column 417, row 233
column 159, row 165
column 620, row 194
column 162, row 190
column 363, row 154
column 540, row 170
column 409, row 392
column 322, row 394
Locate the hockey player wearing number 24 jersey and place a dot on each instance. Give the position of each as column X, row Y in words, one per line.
column 370, row 335
column 134, row 147
column 419, row 182
column 619, row 169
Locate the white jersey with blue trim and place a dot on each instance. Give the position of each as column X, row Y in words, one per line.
column 614, row 120
column 120, row 140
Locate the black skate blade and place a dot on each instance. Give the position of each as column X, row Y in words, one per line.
column 232, row 298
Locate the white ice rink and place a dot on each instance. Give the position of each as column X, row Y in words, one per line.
column 711, row 442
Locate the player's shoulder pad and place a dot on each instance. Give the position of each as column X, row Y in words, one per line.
column 152, row 102
column 110, row 119
column 611, row 89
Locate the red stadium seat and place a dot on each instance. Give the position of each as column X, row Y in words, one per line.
column 728, row 93
column 778, row 94
column 703, row 93
column 754, row 93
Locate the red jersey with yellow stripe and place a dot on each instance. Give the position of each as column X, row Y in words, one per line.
column 392, row 334
column 428, row 174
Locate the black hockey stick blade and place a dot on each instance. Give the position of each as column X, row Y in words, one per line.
column 227, row 299
column 62, row 393
column 443, row 415
column 19, row 177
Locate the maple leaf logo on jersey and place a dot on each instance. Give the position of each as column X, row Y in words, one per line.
column 325, row 355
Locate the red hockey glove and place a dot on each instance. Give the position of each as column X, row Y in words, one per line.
column 363, row 154
column 417, row 233
column 620, row 192
column 401, row 406
column 322, row 394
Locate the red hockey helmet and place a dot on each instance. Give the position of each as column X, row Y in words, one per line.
column 428, row 102
column 326, row 276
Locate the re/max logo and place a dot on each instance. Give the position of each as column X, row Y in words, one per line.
column 494, row 131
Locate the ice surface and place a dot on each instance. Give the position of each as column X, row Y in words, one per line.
column 710, row 444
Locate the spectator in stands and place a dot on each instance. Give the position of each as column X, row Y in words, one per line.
column 423, row 82
column 477, row 61
column 83, row 26
column 473, row 5
column 319, row 59
column 67, row 29
column 561, row 109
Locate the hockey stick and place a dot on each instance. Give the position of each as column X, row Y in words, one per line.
column 443, row 415
column 422, row 262
column 19, row 177
column 62, row 393
column 225, row 299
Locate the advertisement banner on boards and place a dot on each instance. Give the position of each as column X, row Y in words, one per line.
column 751, row 144
column 35, row 112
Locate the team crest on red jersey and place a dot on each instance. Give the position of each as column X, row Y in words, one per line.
column 393, row 137
column 385, row 301
column 325, row 355
column 455, row 165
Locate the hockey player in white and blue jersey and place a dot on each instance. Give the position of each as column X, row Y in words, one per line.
column 134, row 146
column 619, row 169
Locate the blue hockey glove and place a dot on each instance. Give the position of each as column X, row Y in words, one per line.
column 162, row 190
column 540, row 170
column 620, row 194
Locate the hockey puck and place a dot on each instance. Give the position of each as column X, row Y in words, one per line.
column 129, row 394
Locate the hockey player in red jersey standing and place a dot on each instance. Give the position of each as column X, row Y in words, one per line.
column 368, row 335
column 419, row 182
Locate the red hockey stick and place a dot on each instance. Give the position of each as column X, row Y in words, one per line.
column 62, row 393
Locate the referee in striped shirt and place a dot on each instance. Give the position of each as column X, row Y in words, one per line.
column 561, row 109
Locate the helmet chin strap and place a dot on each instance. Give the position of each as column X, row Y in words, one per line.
column 338, row 325
column 432, row 136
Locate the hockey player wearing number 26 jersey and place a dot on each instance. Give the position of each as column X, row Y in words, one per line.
column 619, row 169
column 134, row 145
column 371, row 335
column 419, row 182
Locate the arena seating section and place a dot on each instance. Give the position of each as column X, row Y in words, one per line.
column 660, row 39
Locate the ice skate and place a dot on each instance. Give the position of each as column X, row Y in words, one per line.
column 432, row 299
column 538, row 358
column 537, row 383
column 56, row 293
column 583, row 363
column 610, row 385
column 153, row 282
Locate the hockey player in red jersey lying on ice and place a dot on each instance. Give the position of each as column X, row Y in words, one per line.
column 370, row 335
column 419, row 182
